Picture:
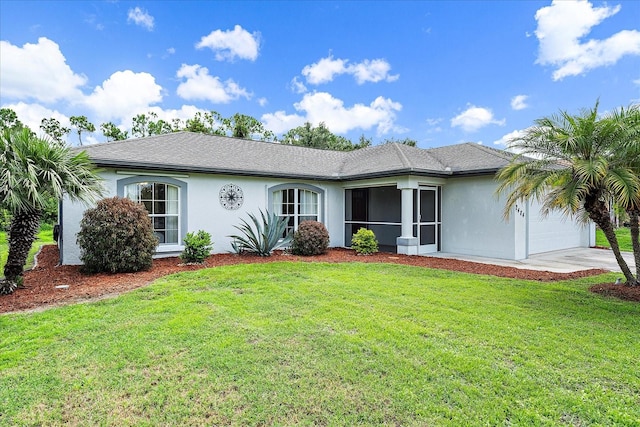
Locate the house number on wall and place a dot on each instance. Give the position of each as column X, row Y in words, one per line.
column 231, row 196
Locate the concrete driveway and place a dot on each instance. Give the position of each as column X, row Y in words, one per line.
column 565, row 261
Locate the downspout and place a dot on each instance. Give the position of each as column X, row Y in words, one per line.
column 527, row 206
column 61, row 234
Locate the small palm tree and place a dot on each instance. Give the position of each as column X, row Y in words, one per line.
column 576, row 164
column 32, row 170
column 629, row 122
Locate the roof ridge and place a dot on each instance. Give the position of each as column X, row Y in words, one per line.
column 496, row 152
column 403, row 157
column 433, row 155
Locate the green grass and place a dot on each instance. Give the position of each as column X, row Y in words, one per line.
column 45, row 237
column 327, row 344
column 623, row 234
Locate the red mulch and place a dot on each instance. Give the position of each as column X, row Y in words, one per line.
column 627, row 293
column 40, row 283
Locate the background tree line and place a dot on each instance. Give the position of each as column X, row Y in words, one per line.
column 211, row 123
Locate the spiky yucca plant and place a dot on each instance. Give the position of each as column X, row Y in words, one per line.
column 261, row 236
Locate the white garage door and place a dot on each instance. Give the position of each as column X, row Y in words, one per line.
column 554, row 232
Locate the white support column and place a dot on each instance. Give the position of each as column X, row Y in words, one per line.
column 407, row 243
column 407, row 212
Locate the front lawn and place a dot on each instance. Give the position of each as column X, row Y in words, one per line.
column 623, row 234
column 45, row 236
column 327, row 344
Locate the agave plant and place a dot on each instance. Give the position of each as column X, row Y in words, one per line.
column 263, row 237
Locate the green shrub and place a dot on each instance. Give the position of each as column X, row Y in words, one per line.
column 197, row 246
column 116, row 236
column 5, row 220
column 364, row 242
column 263, row 237
column 312, row 238
column 50, row 211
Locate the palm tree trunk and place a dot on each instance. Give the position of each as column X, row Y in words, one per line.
column 634, row 215
column 599, row 214
column 610, row 234
column 22, row 233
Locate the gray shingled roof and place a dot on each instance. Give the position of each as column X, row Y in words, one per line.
column 194, row 152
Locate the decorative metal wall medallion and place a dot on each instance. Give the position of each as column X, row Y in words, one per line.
column 231, row 197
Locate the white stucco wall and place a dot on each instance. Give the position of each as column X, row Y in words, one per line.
column 554, row 232
column 204, row 211
column 472, row 220
column 72, row 215
column 472, row 215
column 473, row 224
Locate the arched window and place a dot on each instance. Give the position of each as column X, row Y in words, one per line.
column 297, row 202
column 164, row 199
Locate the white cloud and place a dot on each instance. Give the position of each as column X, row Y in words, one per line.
column 519, row 102
column 435, row 125
column 170, row 51
column 141, row 17
column 372, row 71
column 230, row 44
column 91, row 20
column 297, row 86
column 185, row 112
column 505, row 141
column 280, row 121
column 31, row 115
column 37, row 71
column 123, row 95
column 326, row 69
column 91, row 139
column 323, row 107
column 475, row 118
column 561, row 27
column 262, row 101
column 200, row 85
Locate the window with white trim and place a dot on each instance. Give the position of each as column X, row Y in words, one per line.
column 162, row 202
column 297, row 204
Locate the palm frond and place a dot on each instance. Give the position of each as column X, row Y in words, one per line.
column 564, row 158
column 36, row 169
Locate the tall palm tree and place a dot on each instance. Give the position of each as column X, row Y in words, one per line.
column 33, row 170
column 629, row 121
column 576, row 164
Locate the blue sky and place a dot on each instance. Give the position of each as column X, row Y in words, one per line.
column 439, row 72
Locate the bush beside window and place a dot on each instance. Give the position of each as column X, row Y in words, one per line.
column 311, row 238
column 197, row 247
column 116, row 236
column 364, row 242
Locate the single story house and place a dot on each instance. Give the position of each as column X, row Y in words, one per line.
column 416, row 201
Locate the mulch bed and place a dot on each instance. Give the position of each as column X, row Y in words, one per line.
column 626, row 293
column 40, row 283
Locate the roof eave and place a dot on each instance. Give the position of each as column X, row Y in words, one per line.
column 109, row 163
column 205, row 170
column 397, row 172
column 476, row 172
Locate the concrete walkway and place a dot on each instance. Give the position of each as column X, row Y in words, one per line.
column 565, row 261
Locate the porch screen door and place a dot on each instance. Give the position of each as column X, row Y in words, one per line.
column 428, row 222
